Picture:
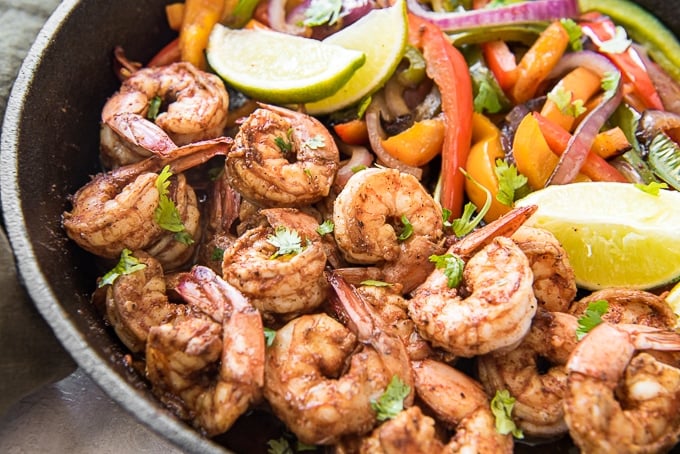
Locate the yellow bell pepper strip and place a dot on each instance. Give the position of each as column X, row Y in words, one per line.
column 199, row 18
column 447, row 67
column 353, row 132
column 419, row 144
column 609, row 143
column 601, row 30
column 533, row 157
column 481, row 166
column 594, row 167
column 174, row 13
column 539, row 60
column 577, row 87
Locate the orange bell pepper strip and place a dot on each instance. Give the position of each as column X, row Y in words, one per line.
column 353, row 132
column 447, row 67
column 419, row 144
column 609, row 143
column 481, row 166
column 533, row 157
column 581, row 84
column 174, row 13
column 199, row 18
column 594, row 167
column 539, row 60
column 600, row 29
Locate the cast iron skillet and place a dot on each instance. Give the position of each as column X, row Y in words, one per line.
column 49, row 149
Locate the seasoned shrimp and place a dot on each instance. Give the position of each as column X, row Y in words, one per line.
column 196, row 106
column 554, row 281
column 282, row 158
column 460, row 402
column 136, row 302
column 320, row 383
column 496, row 314
column 632, row 306
column 116, row 209
column 617, row 401
column 224, row 329
column 288, row 285
column 373, row 215
column 535, row 374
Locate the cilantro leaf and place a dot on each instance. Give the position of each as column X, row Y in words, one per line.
column 591, row 318
column 166, row 214
column 374, row 283
column 316, row 142
column 279, row 446
column 391, row 402
column 127, row 264
column 564, row 101
column 652, row 188
column 322, row 12
column 284, row 145
column 407, row 230
column 453, row 267
column 325, row 227
column 574, row 32
column 269, row 336
column 217, row 253
column 287, row 242
column 610, row 82
column 501, row 407
column 510, row 182
column 154, row 108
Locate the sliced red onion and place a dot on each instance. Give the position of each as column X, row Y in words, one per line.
column 278, row 19
column 359, row 157
column 530, row 11
column 376, row 134
column 574, row 155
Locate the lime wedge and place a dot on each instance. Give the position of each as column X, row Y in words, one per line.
column 382, row 36
column 280, row 68
column 615, row 234
column 673, row 300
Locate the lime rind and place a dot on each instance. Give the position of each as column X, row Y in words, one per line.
column 382, row 35
column 615, row 234
column 279, row 68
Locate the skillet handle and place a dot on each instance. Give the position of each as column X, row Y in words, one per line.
column 30, row 354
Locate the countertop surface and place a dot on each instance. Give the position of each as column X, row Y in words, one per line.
column 47, row 404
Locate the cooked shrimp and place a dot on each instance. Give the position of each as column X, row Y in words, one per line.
column 288, row 285
column 372, row 216
column 496, row 314
column 225, row 329
column 554, row 281
column 282, row 158
column 115, row 210
column 460, row 402
column 632, row 306
column 535, row 374
column 196, row 105
column 136, row 302
column 618, row 402
column 320, row 383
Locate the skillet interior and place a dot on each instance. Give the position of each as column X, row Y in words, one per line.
column 49, row 149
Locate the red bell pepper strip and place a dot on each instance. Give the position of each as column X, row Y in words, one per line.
column 600, row 28
column 447, row 67
column 167, row 55
column 594, row 167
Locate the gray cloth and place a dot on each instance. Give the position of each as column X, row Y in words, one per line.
column 30, row 355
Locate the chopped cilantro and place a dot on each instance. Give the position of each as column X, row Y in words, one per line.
column 453, row 267
column 269, row 336
column 575, row 33
column 217, row 253
column 407, row 230
column 322, row 12
column 127, row 264
column 391, row 402
column 591, row 318
column 284, row 145
column 325, row 227
column 465, row 224
column 316, row 142
column 610, row 82
column 501, row 407
column 374, row 283
column 564, row 101
column 280, row 446
column 652, row 188
column 166, row 214
column 154, row 108
column 287, row 242
column 510, row 182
